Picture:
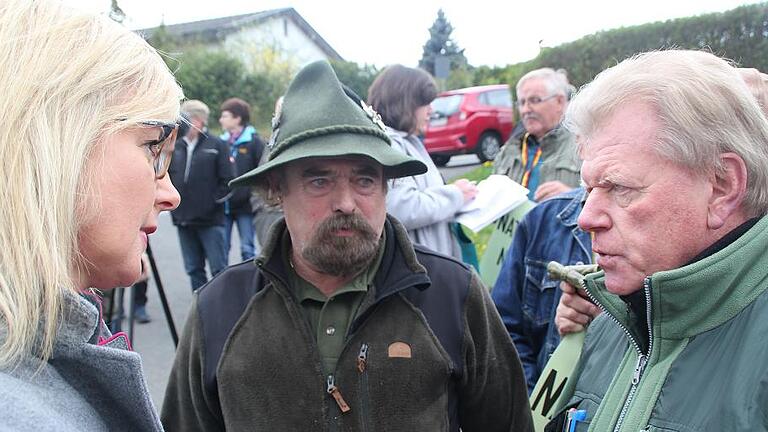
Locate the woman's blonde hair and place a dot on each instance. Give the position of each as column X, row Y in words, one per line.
column 67, row 81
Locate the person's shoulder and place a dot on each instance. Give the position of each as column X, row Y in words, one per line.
column 442, row 269
column 557, row 203
column 567, row 196
column 427, row 255
column 243, row 277
column 397, row 137
column 212, row 140
column 562, row 133
column 22, row 409
column 28, row 397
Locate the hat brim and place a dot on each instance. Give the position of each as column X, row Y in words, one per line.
column 395, row 164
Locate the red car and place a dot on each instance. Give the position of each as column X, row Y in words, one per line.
column 469, row 120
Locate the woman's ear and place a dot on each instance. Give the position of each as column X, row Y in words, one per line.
column 729, row 187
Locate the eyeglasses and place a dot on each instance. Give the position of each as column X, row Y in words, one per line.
column 534, row 100
column 163, row 153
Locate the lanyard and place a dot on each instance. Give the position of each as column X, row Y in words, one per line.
column 536, row 158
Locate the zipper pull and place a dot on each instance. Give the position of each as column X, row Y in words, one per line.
column 362, row 358
column 336, row 394
column 641, row 360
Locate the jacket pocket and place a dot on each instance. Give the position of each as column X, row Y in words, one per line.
column 562, row 421
column 538, row 293
column 406, row 377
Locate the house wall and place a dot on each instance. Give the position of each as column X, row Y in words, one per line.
column 280, row 34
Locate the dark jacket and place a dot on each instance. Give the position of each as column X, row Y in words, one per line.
column 524, row 294
column 248, row 361
column 246, row 151
column 203, row 193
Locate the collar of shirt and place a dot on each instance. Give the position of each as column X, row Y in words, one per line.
column 191, row 143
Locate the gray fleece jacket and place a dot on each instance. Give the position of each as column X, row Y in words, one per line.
column 92, row 382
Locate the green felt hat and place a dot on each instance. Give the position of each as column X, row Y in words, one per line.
column 319, row 118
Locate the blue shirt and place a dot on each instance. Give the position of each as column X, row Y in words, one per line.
column 533, row 178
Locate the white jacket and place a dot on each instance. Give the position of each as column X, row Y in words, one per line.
column 424, row 203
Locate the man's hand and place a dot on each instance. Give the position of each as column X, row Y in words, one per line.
column 574, row 311
column 550, row 189
column 467, row 188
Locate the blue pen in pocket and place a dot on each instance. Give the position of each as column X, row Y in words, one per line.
column 573, row 417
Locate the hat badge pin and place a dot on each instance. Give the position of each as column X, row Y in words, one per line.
column 373, row 115
column 275, row 125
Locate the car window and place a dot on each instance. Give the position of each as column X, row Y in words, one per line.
column 499, row 98
column 446, row 105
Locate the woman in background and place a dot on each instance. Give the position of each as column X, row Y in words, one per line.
column 89, row 114
column 423, row 203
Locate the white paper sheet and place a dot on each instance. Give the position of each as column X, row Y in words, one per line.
column 497, row 195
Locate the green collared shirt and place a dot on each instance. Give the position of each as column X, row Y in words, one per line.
column 330, row 317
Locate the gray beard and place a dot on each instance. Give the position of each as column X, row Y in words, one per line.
column 342, row 256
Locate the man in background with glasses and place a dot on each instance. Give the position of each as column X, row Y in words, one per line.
column 200, row 170
column 541, row 155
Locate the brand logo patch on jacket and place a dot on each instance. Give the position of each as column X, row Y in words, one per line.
column 242, row 150
column 399, row 350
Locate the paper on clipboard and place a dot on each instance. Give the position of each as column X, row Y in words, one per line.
column 497, row 195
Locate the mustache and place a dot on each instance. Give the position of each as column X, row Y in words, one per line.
column 338, row 255
column 534, row 116
column 353, row 222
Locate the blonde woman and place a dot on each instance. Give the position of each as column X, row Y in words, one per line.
column 88, row 113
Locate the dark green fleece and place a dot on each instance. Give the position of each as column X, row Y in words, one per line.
column 455, row 367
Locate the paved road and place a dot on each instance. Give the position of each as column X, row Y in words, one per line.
column 153, row 340
column 458, row 165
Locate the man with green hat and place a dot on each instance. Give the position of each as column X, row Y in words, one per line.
column 341, row 323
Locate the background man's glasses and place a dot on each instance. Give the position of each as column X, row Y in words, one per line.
column 168, row 133
column 533, row 100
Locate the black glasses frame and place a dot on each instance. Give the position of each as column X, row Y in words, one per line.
column 169, row 131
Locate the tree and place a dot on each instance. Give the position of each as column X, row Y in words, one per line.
column 441, row 44
column 268, row 71
column 256, row 74
column 167, row 45
column 358, row 78
column 212, row 77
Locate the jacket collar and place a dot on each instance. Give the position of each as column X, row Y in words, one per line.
column 246, row 136
column 570, row 214
column 700, row 296
column 399, row 267
column 553, row 133
column 80, row 323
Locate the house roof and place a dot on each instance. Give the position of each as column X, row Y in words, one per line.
column 218, row 28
